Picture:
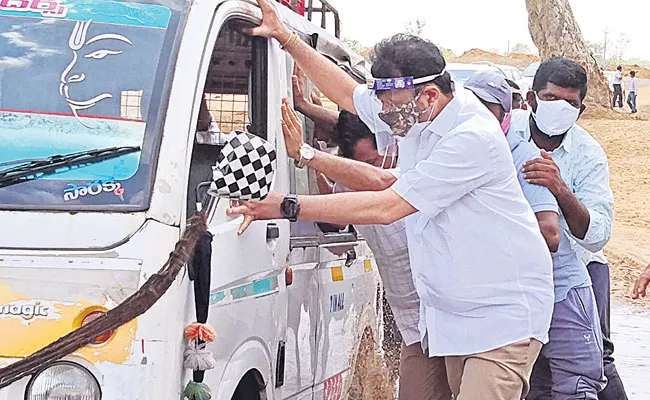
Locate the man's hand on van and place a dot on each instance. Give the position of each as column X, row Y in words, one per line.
column 299, row 100
column 269, row 208
column 292, row 129
column 272, row 26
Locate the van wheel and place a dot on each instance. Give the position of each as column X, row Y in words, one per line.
column 371, row 379
column 251, row 387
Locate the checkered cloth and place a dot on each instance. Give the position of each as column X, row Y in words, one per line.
column 245, row 168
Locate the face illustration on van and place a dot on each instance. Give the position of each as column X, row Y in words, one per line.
column 75, row 72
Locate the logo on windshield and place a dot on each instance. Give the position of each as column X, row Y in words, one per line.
column 74, row 191
column 45, row 8
column 75, row 71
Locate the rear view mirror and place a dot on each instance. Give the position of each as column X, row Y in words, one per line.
column 245, row 168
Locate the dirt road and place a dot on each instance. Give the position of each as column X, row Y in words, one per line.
column 627, row 145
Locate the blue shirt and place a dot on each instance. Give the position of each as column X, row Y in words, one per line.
column 568, row 270
column 481, row 266
column 584, row 168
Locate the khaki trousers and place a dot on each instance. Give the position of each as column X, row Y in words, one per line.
column 422, row 377
column 500, row 374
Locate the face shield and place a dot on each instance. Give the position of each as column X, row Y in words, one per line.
column 395, row 113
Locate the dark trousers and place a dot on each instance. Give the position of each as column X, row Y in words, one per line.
column 631, row 101
column 600, row 282
column 618, row 96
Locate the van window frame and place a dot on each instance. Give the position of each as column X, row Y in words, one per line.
column 257, row 103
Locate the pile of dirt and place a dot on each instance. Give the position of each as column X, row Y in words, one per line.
column 641, row 72
column 518, row 60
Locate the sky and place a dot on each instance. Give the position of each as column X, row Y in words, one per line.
column 490, row 24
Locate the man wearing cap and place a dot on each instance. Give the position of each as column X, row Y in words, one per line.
column 481, row 266
column 568, row 359
column 493, row 90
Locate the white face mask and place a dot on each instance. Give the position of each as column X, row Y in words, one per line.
column 556, row 117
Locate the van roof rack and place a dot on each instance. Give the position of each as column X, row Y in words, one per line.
column 324, row 9
column 307, row 8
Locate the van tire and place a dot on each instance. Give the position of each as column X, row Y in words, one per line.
column 250, row 387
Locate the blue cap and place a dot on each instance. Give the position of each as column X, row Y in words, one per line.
column 491, row 87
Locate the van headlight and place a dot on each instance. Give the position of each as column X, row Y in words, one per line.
column 63, row 380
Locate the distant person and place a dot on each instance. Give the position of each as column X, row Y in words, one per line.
column 618, row 87
column 577, row 173
column 633, row 90
column 641, row 284
column 518, row 102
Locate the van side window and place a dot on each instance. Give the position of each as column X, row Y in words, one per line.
column 234, row 98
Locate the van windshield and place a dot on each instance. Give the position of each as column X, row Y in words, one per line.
column 80, row 78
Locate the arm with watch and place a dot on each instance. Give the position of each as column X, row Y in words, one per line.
column 354, row 175
column 365, row 208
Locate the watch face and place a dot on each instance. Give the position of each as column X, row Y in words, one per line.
column 307, row 152
column 289, row 208
column 293, row 209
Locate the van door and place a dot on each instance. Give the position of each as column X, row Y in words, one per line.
column 303, row 309
column 247, row 301
column 339, row 266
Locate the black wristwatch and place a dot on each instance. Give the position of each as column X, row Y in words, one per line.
column 290, row 207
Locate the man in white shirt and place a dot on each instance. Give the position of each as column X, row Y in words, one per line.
column 420, row 377
column 633, row 91
column 574, row 167
column 482, row 268
column 618, row 87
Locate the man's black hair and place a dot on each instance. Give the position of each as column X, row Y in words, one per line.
column 620, row 68
column 409, row 55
column 349, row 130
column 633, row 74
column 561, row 72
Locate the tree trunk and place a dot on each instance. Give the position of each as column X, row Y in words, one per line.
column 555, row 32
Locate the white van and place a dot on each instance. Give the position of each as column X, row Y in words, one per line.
column 82, row 230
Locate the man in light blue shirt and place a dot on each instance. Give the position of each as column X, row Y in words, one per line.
column 493, row 90
column 576, row 172
column 481, row 266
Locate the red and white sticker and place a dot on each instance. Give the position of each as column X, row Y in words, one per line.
column 333, row 388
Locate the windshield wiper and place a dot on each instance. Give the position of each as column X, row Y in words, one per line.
column 37, row 168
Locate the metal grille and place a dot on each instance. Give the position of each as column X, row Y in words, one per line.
column 230, row 111
column 130, row 104
column 227, row 86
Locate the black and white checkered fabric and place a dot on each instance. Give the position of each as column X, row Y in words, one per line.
column 244, row 168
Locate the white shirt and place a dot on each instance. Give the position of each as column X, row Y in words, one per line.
column 584, row 168
column 634, row 85
column 482, row 268
column 389, row 245
column 618, row 78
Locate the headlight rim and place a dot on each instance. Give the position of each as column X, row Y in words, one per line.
column 33, row 378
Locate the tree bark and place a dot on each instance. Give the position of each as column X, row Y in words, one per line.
column 555, row 32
